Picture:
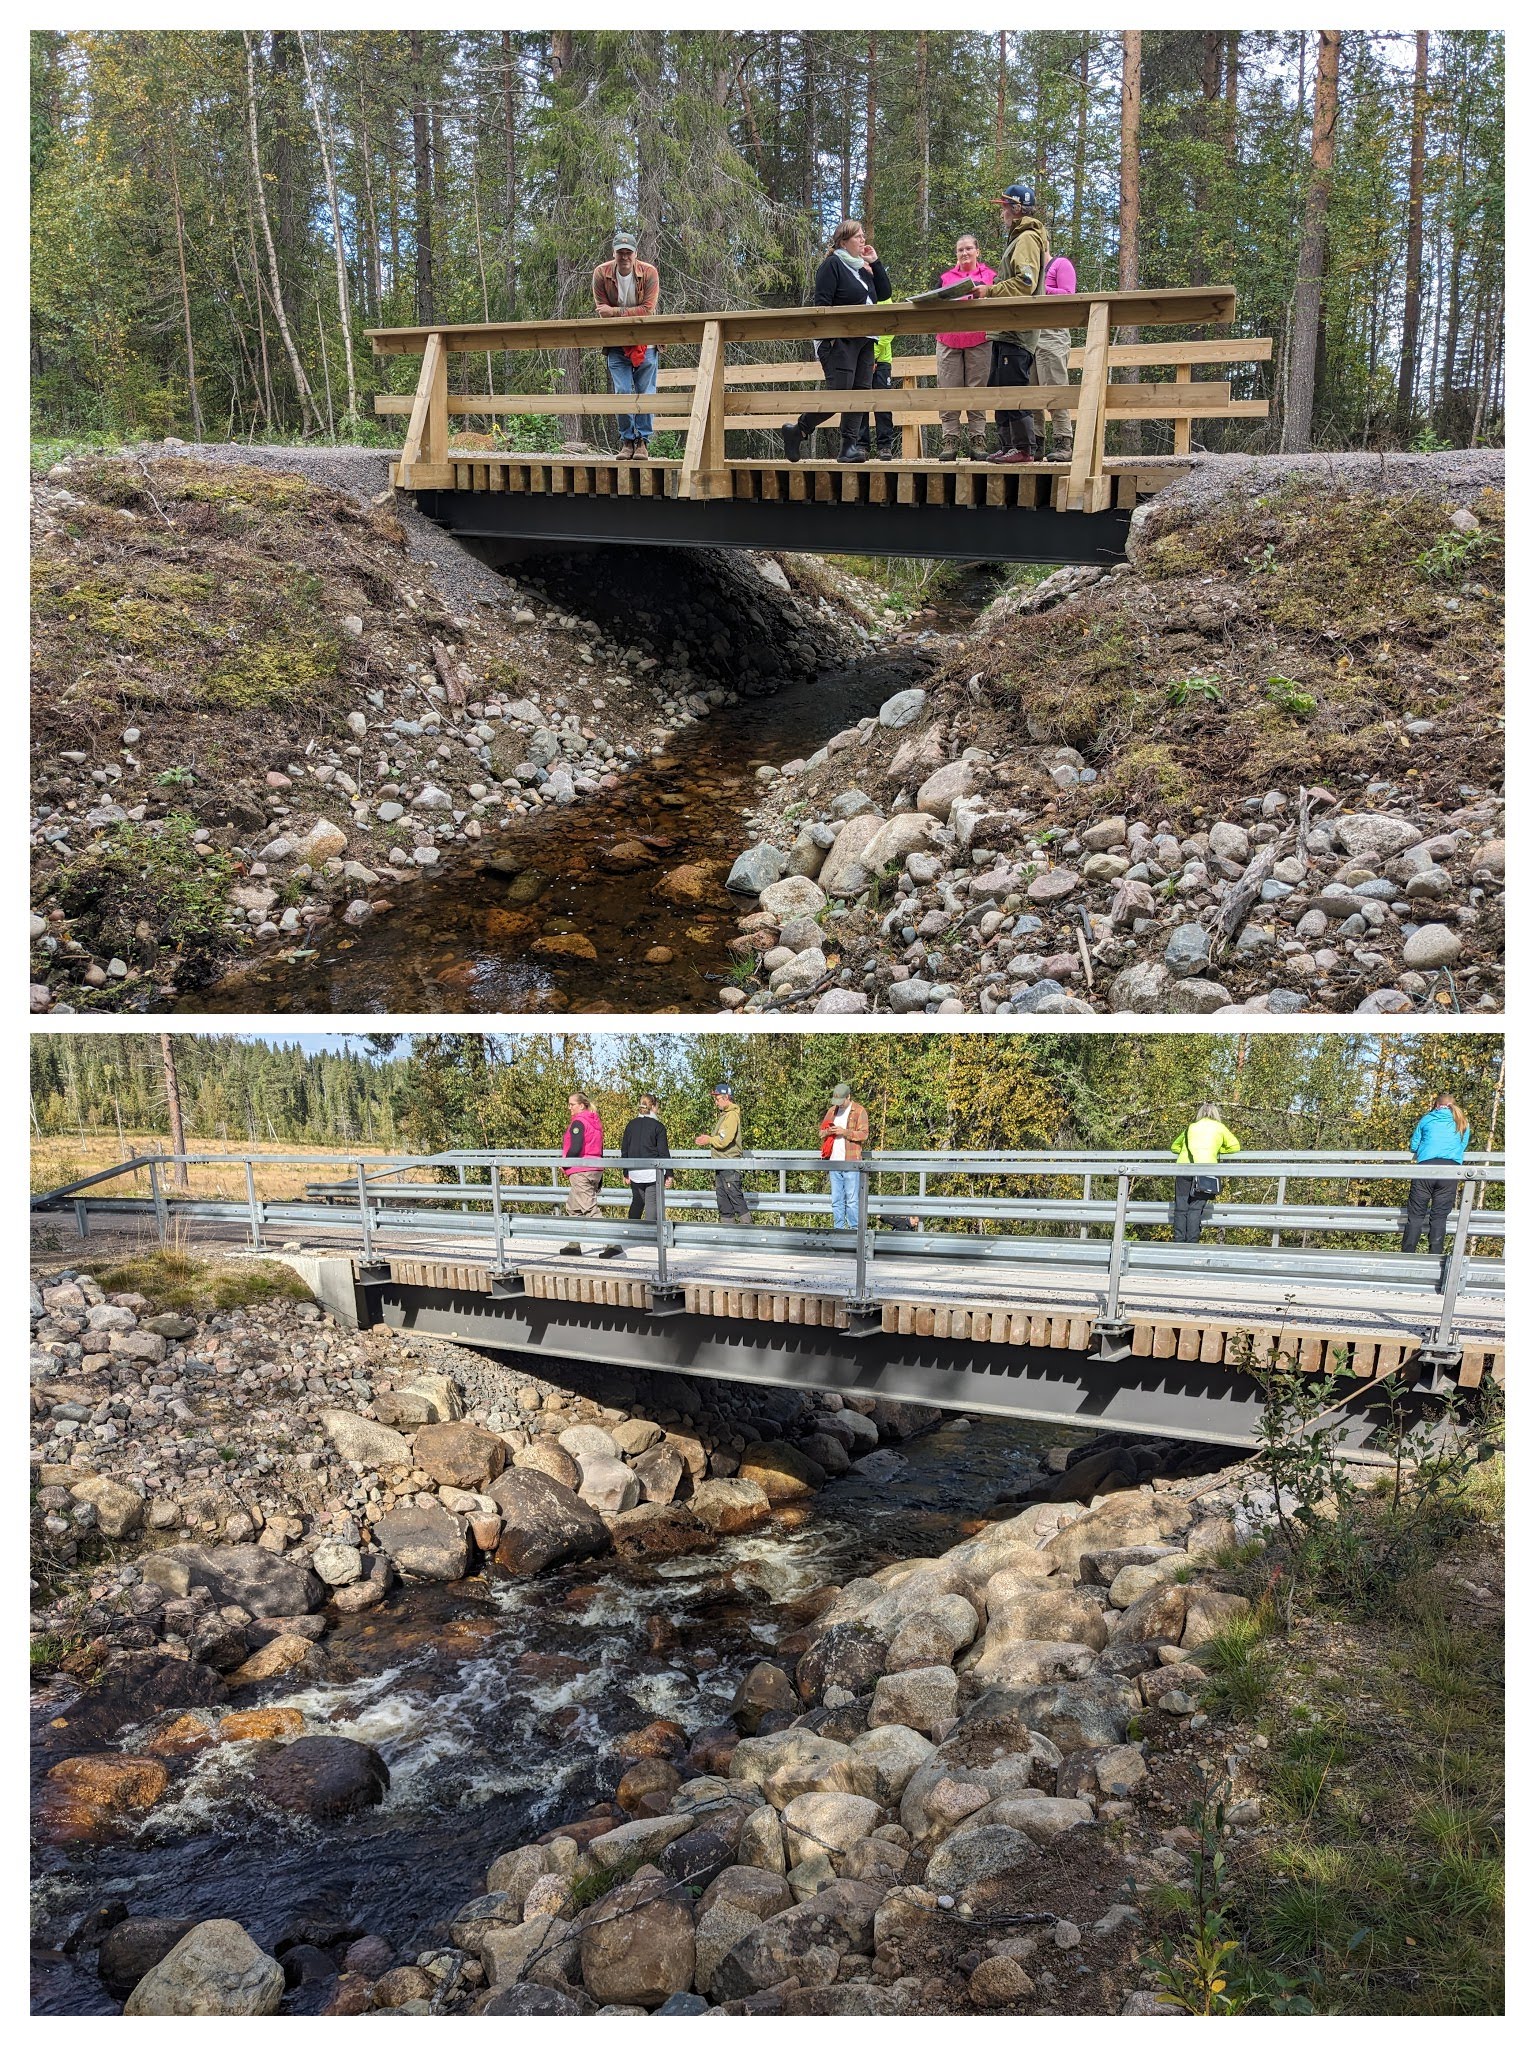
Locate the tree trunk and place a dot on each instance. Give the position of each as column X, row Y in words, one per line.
column 1001, row 151
column 567, row 271
column 343, row 292
column 1130, row 201
column 421, row 165
column 871, row 71
column 1209, row 140
column 173, row 1104
column 374, row 247
column 307, row 406
column 924, row 144
column 1412, row 300
column 1079, row 159
column 1300, row 388
column 509, row 123
column 1457, row 258
column 650, row 168
column 186, row 302
column 811, row 111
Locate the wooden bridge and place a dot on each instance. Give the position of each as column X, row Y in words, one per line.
column 712, row 495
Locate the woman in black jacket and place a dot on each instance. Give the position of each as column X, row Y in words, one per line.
column 644, row 1137
column 852, row 274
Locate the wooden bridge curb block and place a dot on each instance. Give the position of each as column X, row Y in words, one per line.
column 588, row 1289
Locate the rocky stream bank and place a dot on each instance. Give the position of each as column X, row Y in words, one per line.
column 628, row 1694
column 1255, row 767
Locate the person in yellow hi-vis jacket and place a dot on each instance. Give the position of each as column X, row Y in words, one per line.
column 1205, row 1142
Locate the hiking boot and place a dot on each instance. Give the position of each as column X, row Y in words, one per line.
column 854, row 454
column 949, row 452
column 1061, row 452
column 611, row 1250
column 885, row 454
column 626, row 450
column 570, row 1250
column 793, row 441
column 641, row 451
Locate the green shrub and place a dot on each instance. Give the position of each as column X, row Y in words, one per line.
column 147, row 874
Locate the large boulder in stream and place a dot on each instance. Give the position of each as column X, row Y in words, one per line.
column 427, row 1542
column 322, row 1776
column 543, row 1523
column 217, row 1971
column 458, row 1453
column 267, row 1586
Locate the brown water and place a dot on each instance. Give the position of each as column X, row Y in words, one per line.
column 495, row 1706
column 463, row 940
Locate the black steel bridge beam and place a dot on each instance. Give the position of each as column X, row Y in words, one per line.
column 987, row 533
column 1144, row 1395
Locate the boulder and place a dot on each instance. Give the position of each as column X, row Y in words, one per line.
column 1120, row 1770
column 280, row 1657
column 544, row 1454
column 637, row 1944
column 458, row 1453
column 337, row 1563
column 757, row 868
column 941, row 791
column 1157, row 1615
column 660, row 1470
column 786, row 1765
column 586, row 1441
column 839, row 1919
column 263, row 1584
column 119, row 1509
column 530, row 2000
column 1033, row 1662
column 1117, row 1522
column 847, row 1655
column 721, row 1926
column 321, row 1776
column 358, row 1440
column 1375, row 837
column 608, row 1484
column 543, row 1523
column 131, row 1949
column 978, row 1853
column 795, row 896
column 509, row 1953
column 1043, row 1819
column 217, row 1970
column 1071, row 1717
column 923, row 1699
column 827, row 1822
column 894, row 1753
column 425, row 1542
column 1042, row 1613
column 934, row 1633
column 1209, row 1613
column 764, row 1688
column 730, row 1505
column 902, row 709
column 103, row 1785
column 634, row 1437
column 911, row 831
column 781, row 1471
column 847, row 851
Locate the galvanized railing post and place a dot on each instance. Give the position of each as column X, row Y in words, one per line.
column 1450, row 1283
column 1117, row 1249
column 1283, row 1184
column 861, row 1259
column 364, row 1215
column 157, row 1195
column 660, row 1186
column 500, row 1216
column 253, row 1204
column 1087, row 1194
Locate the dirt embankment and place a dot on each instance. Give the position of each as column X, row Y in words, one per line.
column 1258, row 765
column 266, row 696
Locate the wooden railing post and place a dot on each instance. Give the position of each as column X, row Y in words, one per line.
column 703, row 462
column 1182, row 428
column 1087, row 487
column 424, row 456
column 911, row 432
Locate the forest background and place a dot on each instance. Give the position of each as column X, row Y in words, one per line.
column 218, row 216
column 947, row 1091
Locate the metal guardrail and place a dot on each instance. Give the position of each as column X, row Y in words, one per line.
column 484, row 1208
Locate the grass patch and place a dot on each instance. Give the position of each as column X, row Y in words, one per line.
column 181, row 1284
column 153, row 875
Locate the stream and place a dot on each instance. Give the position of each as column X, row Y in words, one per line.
column 462, row 941
column 496, row 1705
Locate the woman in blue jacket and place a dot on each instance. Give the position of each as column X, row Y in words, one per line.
column 852, row 275
column 1442, row 1134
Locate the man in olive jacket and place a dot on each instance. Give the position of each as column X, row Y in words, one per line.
column 724, row 1140
column 1022, row 275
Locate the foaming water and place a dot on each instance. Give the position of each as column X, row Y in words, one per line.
column 497, row 1715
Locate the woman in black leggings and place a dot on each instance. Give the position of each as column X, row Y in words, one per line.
column 852, row 274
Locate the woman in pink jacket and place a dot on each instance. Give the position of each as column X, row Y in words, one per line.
column 1052, row 350
column 582, row 1147
column 964, row 360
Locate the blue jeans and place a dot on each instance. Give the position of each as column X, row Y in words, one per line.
column 623, row 376
column 844, row 1198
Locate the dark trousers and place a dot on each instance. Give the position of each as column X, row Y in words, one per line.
column 1010, row 364
column 1428, row 1200
column 730, row 1197
column 642, row 1201
column 1189, row 1210
column 884, row 422
column 846, row 366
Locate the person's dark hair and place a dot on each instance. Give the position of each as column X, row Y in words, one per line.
column 1462, row 1120
column 579, row 1098
column 845, row 231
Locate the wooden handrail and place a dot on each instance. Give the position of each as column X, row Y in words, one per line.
column 1169, row 355
column 1173, row 308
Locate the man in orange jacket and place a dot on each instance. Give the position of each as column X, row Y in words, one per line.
column 627, row 289
column 844, row 1132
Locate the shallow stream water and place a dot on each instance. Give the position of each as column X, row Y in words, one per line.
column 496, row 1706
column 463, row 941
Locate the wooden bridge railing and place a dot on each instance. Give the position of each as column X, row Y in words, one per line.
column 717, row 396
